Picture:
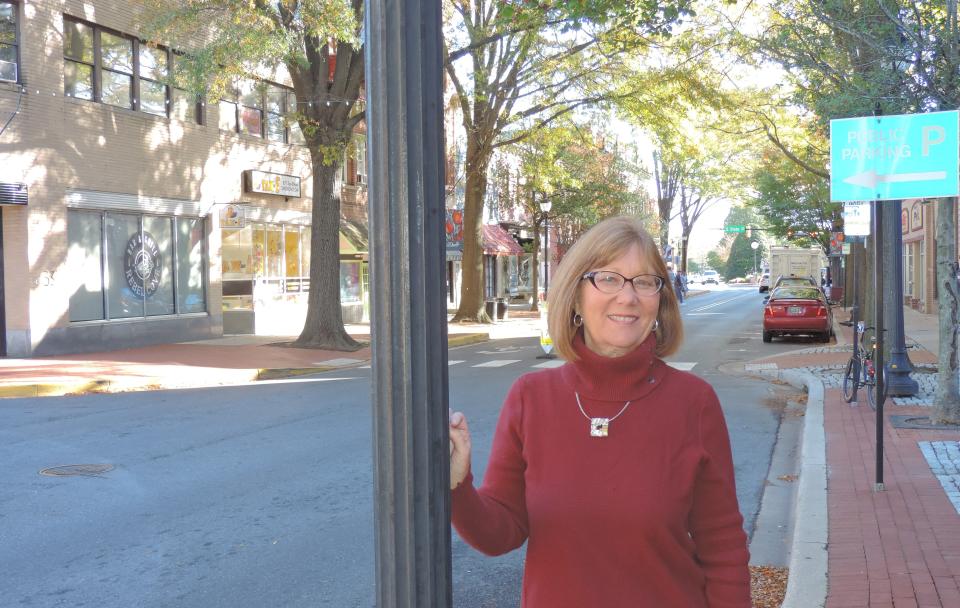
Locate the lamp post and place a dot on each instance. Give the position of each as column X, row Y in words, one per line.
column 754, row 245
column 545, row 206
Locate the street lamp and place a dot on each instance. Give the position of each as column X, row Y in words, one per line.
column 754, row 245
column 545, row 206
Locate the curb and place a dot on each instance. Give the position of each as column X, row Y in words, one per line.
column 807, row 582
column 52, row 389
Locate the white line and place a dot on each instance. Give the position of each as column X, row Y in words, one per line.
column 498, row 363
column 454, row 362
column 682, row 365
column 551, row 363
column 702, row 314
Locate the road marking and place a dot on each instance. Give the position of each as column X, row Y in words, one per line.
column 497, row 363
column 338, row 362
column 720, row 303
column 682, row 365
column 454, row 361
column 703, row 314
column 751, row 367
column 551, row 363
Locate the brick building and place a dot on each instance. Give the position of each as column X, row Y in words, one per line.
column 134, row 213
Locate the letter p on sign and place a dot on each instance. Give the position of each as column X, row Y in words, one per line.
column 931, row 136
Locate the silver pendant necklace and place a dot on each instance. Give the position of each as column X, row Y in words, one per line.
column 599, row 427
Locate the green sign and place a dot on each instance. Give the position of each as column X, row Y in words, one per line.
column 735, row 229
column 894, row 157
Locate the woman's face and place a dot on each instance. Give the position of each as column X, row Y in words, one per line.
column 615, row 324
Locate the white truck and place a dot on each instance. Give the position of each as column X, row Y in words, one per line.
column 796, row 262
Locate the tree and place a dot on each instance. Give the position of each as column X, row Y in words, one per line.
column 524, row 65
column 318, row 43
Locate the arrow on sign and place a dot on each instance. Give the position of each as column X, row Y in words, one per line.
column 870, row 179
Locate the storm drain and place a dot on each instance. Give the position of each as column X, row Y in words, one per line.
column 78, row 470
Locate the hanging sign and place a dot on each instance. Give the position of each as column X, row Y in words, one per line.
column 233, row 217
column 262, row 182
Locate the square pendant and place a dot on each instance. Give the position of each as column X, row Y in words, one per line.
column 599, row 427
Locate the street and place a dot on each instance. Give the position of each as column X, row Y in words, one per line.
column 261, row 495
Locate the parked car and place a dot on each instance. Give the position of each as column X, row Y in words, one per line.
column 711, row 276
column 797, row 310
column 765, row 282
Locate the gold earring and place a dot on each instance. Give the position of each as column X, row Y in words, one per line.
column 577, row 319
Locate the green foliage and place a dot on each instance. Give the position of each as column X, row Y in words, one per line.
column 715, row 260
column 740, row 261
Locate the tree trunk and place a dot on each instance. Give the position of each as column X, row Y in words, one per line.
column 471, row 286
column 946, row 400
column 324, row 325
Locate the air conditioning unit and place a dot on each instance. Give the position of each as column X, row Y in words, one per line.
column 8, row 71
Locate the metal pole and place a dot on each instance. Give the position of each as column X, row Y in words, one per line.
column 878, row 354
column 546, row 254
column 410, row 385
column 898, row 380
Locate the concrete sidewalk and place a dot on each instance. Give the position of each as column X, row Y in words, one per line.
column 855, row 545
column 216, row 362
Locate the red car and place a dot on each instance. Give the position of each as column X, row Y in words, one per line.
column 797, row 310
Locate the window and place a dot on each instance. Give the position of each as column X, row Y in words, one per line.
column 8, row 42
column 118, row 70
column 153, row 71
column 259, row 109
column 78, row 60
column 116, row 59
column 126, row 265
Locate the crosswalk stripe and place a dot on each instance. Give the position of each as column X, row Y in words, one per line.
column 551, row 363
column 682, row 365
column 497, row 363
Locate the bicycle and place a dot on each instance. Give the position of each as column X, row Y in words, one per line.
column 860, row 371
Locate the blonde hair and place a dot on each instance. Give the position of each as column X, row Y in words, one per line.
column 599, row 246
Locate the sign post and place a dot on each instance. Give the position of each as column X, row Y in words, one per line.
column 889, row 158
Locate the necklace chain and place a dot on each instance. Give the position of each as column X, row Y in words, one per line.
column 585, row 415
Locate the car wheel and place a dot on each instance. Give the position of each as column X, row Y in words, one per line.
column 825, row 337
column 767, row 336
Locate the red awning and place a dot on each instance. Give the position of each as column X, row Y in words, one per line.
column 497, row 241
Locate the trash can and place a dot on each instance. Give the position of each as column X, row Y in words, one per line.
column 501, row 309
column 491, row 309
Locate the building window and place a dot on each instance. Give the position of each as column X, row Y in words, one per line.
column 78, row 60
column 258, row 109
column 251, row 108
column 154, row 64
column 276, row 107
column 126, row 265
column 8, row 42
column 228, row 112
column 121, row 71
column 116, row 78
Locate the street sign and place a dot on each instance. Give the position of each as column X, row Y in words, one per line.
column 856, row 218
column 894, row 157
column 735, row 229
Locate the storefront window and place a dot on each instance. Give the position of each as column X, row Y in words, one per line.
column 123, row 233
column 154, row 266
column 237, row 253
column 351, row 287
column 305, row 251
column 83, row 258
column 291, row 243
column 141, row 274
column 274, row 251
column 190, row 292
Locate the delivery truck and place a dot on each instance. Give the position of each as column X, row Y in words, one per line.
column 796, row 262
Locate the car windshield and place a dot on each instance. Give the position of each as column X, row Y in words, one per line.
column 796, row 293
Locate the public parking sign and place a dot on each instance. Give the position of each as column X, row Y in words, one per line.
column 894, row 157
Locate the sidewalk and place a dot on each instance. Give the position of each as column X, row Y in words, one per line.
column 223, row 361
column 855, row 546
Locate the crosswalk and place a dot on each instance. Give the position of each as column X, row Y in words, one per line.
column 494, row 363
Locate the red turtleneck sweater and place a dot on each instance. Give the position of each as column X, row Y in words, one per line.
column 646, row 517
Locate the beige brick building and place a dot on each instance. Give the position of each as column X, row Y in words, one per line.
column 133, row 213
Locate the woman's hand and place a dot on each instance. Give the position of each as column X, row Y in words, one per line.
column 459, row 449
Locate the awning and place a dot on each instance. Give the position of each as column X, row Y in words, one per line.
column 353, row 237
column 497, row 241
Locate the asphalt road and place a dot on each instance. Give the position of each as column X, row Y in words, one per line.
column 261, row 495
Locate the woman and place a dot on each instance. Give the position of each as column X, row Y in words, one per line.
column 615, row 468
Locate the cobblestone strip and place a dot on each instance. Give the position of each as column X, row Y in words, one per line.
column 944, row 460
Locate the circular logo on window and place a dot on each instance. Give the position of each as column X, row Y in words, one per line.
column 142, row 264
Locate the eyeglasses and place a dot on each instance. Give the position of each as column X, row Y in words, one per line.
column 611, row 282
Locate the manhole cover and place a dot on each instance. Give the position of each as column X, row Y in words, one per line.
column 78, row 470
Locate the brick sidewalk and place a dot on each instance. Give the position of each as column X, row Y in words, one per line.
column 899, row 547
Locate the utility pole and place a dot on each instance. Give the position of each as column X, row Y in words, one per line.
column 409, row 317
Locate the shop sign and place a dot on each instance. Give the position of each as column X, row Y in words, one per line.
column 233, row 217
column 262, row 182
column 13, row 194
column 142, row 264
